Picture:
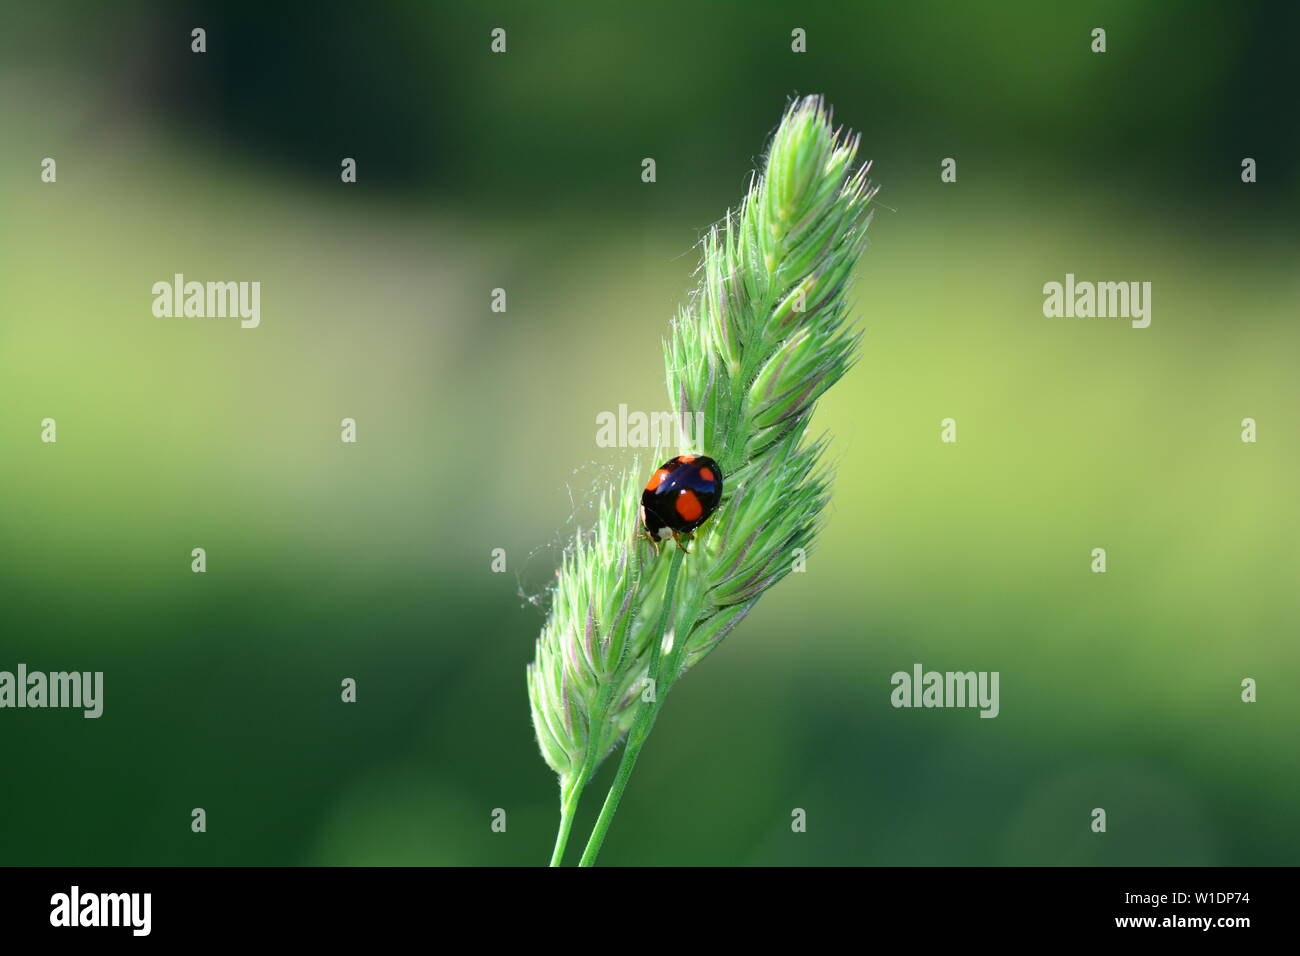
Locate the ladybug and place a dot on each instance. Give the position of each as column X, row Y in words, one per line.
column 679, row 497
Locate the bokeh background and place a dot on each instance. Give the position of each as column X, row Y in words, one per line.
column 477, row 429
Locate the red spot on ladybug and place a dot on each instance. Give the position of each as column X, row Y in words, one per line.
column 707, row 474
column 655, row 479
column 688, row 506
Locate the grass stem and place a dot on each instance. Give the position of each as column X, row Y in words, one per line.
column 570, row 793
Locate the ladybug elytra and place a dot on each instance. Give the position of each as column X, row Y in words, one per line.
column 679, row 497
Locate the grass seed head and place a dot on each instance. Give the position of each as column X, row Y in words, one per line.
column 764, row 335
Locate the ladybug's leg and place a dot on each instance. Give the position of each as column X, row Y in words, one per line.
column 679, row 543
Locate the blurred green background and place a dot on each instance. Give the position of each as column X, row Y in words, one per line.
column 477, row 429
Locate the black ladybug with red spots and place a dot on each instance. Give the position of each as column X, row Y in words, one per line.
column 679, row 497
